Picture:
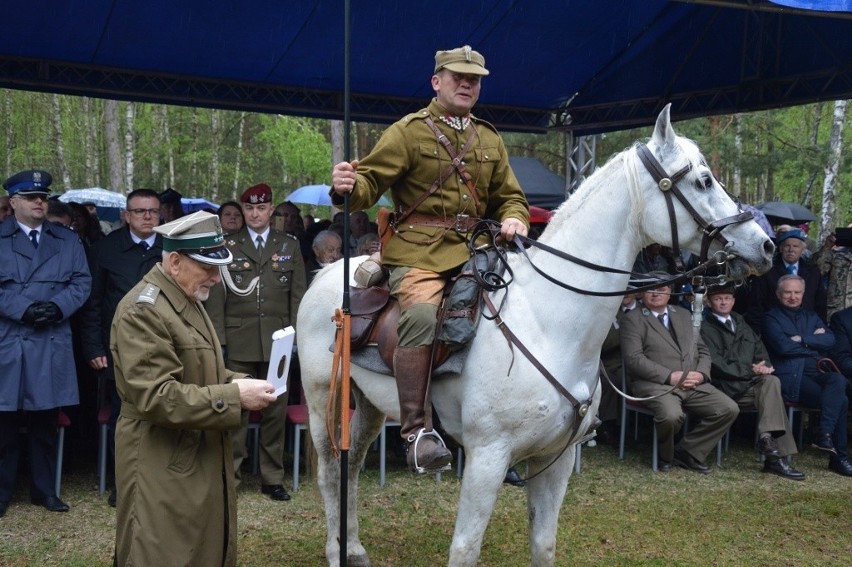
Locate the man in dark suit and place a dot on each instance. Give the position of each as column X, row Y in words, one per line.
column 797, row 338
column 740, row 367
column 119, row 261
column 44, row 279
column 761, row 292
column 655, row 343
column 841, row 352
column 245, row 320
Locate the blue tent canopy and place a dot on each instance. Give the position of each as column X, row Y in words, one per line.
column 587, row 65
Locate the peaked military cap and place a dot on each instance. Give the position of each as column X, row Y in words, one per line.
column 198, row 235
column 461, row 60
column 29, row 182
column 260, row 193
column 170, row 196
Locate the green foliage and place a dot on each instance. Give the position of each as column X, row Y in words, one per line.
column 763, row 156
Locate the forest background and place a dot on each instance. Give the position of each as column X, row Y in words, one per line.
column 792, row 154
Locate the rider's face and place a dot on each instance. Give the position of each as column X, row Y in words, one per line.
column 456, row 92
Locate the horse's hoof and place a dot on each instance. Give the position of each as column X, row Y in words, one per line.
column 358, row 561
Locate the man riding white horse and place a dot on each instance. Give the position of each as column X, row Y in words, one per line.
column 437, row 199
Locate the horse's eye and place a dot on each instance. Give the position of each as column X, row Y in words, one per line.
column 705, row 181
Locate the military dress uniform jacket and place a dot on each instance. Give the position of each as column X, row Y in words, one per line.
column 245, row 323
column 408, row 159
column 37, row 369
column 732, row 353
column 174, row 463
column 651, row 354
column 118, row 264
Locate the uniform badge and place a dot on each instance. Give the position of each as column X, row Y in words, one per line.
column 283, row 278
column 232, row 243
column 149, row 294
column 238, row 278
column 275, row 265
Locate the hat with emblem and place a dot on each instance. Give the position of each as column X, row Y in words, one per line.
column 170, row 196
column 29, row 182
column 461, row 60
column 198, row 235
column 260, row 193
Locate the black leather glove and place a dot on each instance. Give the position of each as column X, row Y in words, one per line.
column 42, row 314
column 29, row 316
column 52, row 312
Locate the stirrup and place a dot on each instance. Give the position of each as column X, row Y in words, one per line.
column 412, row 446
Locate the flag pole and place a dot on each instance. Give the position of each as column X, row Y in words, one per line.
column 345, row 378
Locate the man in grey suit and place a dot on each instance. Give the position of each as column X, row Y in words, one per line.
column 655, row 343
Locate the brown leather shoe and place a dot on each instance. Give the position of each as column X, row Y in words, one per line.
column 427, row 455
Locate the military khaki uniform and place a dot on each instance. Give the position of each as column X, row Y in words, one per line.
column 245, row 326
column 407, row 160
column 173, row 444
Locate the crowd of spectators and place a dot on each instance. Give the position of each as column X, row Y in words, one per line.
column 778, row 340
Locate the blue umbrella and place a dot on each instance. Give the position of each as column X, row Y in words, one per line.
column 317, row 195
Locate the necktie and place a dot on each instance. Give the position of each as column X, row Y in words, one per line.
column 143, row 245
column 34, row 237
column 662, row 318
column 259, row 241
column 729, row 324
column 791, row 269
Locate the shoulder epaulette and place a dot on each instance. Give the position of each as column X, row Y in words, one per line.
column 149, row 294
column 414, row 116
column 481, row 122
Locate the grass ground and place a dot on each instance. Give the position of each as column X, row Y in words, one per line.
column 615, row 513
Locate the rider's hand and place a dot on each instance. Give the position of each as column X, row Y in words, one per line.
column 343, row 177
column 255, row 394
column 512, row 226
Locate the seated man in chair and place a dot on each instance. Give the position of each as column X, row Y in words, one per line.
column 797, row 338
column 740, row 368
column 655, row 343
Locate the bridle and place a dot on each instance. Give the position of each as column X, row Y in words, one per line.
column 668, row 184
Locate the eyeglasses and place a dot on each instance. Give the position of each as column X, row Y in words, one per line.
column 143, row 212
column 32, row 197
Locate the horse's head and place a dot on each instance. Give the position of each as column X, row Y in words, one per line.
column 688, row 208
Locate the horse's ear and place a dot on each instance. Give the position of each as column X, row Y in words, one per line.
column 663, row 132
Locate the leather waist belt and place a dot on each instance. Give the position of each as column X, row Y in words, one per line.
column 460, row 223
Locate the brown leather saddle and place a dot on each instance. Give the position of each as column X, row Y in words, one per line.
column 374, row 319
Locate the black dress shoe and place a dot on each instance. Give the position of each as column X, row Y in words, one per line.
column 840, row 466
column 513, row 478
column 687, row 461
column 823, row 442
column 768, row 447
column 112, row 498
column 782, row 469
column 275, row 491
column 664, row 466
column 3, row 507
column 51, row 503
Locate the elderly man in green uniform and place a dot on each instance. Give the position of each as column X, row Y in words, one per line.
column 178, row 405
column 445, row 170
column 270, row 266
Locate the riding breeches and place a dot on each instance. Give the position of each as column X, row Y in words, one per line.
column 419, row 295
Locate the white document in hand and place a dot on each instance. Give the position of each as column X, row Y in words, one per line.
column 279, row 359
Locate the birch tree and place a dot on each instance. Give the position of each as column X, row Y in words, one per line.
column 129, row 146
column 113, row 148
column 835, row 144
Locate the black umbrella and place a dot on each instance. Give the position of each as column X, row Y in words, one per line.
column 791, row 212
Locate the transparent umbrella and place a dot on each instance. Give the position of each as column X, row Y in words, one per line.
column 100, row 197
column 317, row 195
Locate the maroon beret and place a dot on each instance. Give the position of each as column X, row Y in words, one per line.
column 260, row 193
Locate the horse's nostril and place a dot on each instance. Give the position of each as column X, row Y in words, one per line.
column 768, row 247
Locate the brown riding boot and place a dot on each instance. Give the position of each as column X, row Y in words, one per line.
column 426, row 450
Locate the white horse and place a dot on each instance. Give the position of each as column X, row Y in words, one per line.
column 500, row 408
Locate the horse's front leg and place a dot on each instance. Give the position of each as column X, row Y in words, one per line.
column 545, row 493
column 485, row 468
